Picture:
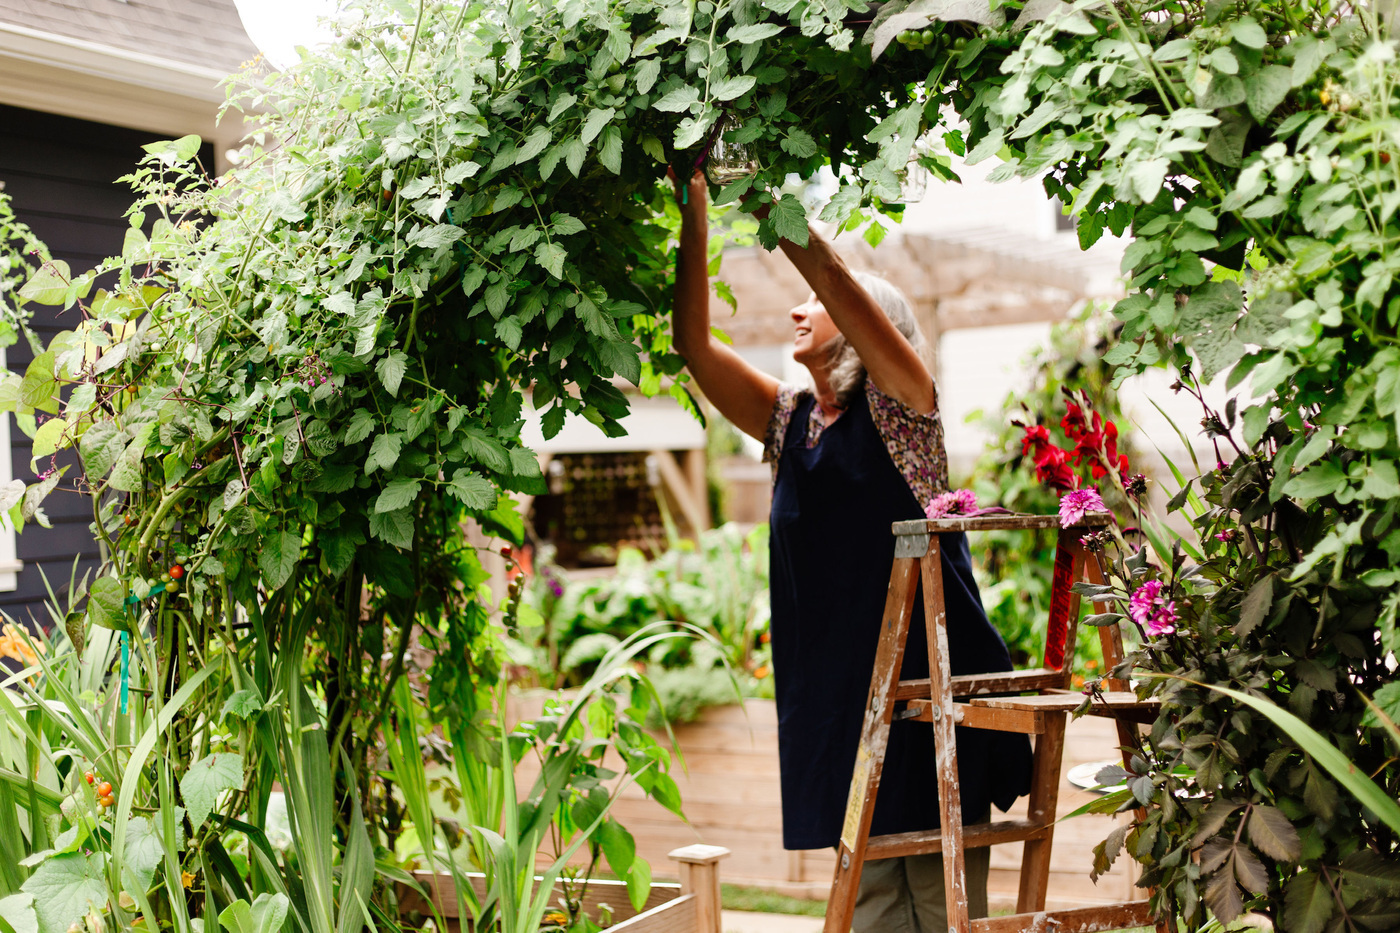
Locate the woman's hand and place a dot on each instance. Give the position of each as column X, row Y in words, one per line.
column 742, row 393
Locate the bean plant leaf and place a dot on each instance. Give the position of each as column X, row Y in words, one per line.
column 17, row 911
column 65, row 888
column 618, row 846
column 49, row 283
column 206, row 780
column 144, row 850
column 280, row 552
column 267, row 914
column 638, row 883
column 107, row 603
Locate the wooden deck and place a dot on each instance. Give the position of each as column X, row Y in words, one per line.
column 731, row 798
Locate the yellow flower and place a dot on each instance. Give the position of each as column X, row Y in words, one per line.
column 187, row 878
column 15, row 644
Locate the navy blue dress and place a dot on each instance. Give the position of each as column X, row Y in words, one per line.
column 831, row 549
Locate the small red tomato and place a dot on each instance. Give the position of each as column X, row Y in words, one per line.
column 176, row 571
column 107, row 801
column 87, row 776
column 1385, row 158
column 104, row 789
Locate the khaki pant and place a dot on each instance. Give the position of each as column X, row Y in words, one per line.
column 906, row 895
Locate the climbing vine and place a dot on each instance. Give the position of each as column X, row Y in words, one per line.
column 305, row 373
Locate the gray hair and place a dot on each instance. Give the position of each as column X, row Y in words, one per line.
column 846, row 374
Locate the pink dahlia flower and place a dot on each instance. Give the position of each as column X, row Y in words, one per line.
column 1075, row 503
column 957, row 502
column 1150, row 609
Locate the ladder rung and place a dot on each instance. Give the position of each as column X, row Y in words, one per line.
column 1012, row 522
column 1031, row 722
column 930, row 842
column 1079, row 920
column 966, row 685
column 1068, row 702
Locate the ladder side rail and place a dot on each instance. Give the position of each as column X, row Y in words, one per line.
column 870, row 754
column 945, row 739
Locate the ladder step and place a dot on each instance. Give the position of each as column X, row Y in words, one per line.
column 930, row 842
column 1068, row 702
column 1029, row 721
column 966, row 685
column 1078, row 920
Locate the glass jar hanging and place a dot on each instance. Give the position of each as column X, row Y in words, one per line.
column 729, row 161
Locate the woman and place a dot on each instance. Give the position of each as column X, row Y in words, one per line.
column 861, row 449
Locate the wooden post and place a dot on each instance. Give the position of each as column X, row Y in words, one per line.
column 697, row 471
column 700, row 876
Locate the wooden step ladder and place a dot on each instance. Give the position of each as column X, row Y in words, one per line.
column 947, row 701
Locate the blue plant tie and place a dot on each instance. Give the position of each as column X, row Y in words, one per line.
column 126, row 672
column 125, row 691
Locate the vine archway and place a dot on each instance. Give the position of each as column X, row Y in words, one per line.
column 312, row 368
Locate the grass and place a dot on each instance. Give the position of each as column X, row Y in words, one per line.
column 759, row 900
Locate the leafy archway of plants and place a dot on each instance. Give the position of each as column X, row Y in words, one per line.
column 312, row 369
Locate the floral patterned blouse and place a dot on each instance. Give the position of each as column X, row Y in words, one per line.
column 914, row 440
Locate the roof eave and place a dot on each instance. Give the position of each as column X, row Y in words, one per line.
column 103, row 61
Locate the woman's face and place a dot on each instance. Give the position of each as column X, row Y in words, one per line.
column 813, row 330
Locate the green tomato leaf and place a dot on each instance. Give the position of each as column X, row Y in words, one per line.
column 790, row 220
column 678, row 100
column 394, row 527
column 361, row 424
column 732, row 87
column 390, row 370
column 597, row 119
column 551, row 256
column 384, row 452
column 397, row 495
column 756, row 32
column 473, row 489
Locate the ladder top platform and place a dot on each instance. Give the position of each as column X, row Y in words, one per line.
column 1015, row 521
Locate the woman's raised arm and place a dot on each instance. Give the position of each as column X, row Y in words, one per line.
column 889, row 359
column 742, row 394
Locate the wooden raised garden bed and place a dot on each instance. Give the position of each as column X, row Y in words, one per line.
column 692, row 906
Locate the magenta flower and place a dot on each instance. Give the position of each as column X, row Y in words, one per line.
column 957, row 502
column 1077, row 502
column 1164, row 622
column 1151, row 610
